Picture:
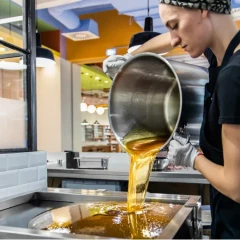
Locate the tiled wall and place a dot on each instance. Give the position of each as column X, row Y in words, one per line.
column 22, row 173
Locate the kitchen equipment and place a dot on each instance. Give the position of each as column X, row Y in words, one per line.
column 108, row 219
column 70, row 161
column 160, row 164
column 152, row 98
column 16, row 213
column 92, row 162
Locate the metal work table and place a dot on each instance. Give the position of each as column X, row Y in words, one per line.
column 15, row 213
column 187, row 175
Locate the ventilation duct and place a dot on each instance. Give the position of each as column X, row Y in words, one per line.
column 88, row 30
column 75, row 28
column 65, row 14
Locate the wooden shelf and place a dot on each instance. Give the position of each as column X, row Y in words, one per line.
column 98, row 133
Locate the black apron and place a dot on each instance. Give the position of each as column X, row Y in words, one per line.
column 225, row 212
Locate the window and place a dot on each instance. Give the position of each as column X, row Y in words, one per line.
column 17, row 76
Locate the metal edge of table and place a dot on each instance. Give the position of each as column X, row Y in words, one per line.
column 75, row 195
column 177, row 177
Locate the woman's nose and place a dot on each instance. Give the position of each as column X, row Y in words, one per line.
column 175, row 41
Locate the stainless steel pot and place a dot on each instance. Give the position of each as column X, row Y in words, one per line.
column 153, row 97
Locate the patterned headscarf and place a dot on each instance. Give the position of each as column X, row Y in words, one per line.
column 218, row 6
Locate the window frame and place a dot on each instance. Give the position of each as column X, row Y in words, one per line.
column 29, row 52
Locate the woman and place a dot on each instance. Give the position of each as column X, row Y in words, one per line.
column 196, row 26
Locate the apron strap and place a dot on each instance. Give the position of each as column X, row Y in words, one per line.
column 231, row 48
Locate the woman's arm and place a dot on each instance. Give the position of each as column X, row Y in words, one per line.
column 226, row 179
column 158, row 44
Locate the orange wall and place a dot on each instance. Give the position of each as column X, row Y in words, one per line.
column 51, row 39
column 114, row 30
column 238, row 24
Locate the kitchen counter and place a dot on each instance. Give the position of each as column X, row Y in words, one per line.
column 187, row 175
column 118, row 170
column 16, row 213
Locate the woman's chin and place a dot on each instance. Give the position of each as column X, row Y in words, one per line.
column 194, row 54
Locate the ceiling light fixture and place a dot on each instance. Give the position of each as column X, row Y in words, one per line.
column 140, row 38
column 44, row 57
column 13, row 66
column 83, row 107
column 84, row 122
column 96, row 122
column 91, row 109
column 100, row 110
column 11, row 19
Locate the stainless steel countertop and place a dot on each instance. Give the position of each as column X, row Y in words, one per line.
column 186, row 175
column 25, row 207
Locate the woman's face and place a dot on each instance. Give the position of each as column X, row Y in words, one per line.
column 191, row 29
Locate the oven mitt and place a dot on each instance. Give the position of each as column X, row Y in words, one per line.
column 113, row 63
column 181, row 155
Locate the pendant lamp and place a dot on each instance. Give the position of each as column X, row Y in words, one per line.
column 96, row 122
column 100, row 110
column 84, row 122
column 83, row 107
column 91, row 109
column 44, row 57
column 12, row 65
column 140, row 38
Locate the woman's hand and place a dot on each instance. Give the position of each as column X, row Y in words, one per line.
column 182, row 155
column 113, row 63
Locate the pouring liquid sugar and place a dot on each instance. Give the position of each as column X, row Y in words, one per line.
column 113, row 220
column 134, row 219
column 148, row 98
column 142, row 155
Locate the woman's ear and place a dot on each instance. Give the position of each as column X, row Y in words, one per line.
column 204, row 13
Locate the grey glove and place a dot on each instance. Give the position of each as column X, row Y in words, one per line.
column 113, row 63
column 182, row 155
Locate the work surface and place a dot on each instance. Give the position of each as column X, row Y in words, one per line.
column 15, row 213
column 187, row 175
column 118, row 170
